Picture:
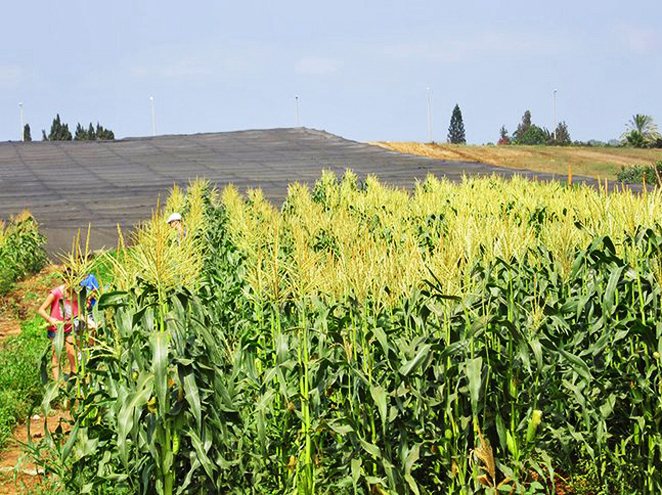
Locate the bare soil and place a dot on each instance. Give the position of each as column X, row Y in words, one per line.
column 17, row 474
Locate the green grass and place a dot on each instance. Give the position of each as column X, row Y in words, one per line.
column 20, row 385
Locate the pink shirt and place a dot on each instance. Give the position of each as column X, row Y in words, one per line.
column 70, row 308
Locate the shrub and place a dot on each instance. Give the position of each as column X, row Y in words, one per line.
column 638, row 173
column 533, row 135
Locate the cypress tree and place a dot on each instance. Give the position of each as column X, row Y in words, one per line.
column 56, row 129
column 66, row 134
column 456, row 128
column 81, row 133
column 104, row 134
column 523, row 127
column 59, row 131
column 27, row 137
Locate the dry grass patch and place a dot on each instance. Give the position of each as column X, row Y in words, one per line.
column 583, row 160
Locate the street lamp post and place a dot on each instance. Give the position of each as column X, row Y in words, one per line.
column 151, row 99
column 555, row 114
column 296, row 99
column 429, row 115
column 20, row 111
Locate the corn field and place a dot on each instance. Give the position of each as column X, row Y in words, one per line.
column 21, row 249
column 482, row 337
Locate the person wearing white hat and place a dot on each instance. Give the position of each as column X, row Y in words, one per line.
column 175, row 217
column 175, row 221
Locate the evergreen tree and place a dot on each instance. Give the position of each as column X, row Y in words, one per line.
column 104, row 134
column 44, row 137
column 523, row 127
column 27, row 137
column 503, row 136
column 56, row 129
column 456, row 128
column 59, row 131
column 81, row 133
column 66, row 134
column 529, row 133
column 526, row 120
column 561, row 135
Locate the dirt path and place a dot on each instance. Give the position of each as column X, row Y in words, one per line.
column 9, row 323
column 22, row 302
column 16, row 475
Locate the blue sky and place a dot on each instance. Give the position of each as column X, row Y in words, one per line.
column 361, row 69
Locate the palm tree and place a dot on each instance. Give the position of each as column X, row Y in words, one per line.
column 641, row 131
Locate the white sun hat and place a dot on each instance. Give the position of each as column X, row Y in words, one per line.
column 174, row 217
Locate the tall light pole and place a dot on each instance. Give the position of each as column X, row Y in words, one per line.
column 555, row 114
column 20, row 111
column 429, row 115
column 151, row 99
column 296, row 99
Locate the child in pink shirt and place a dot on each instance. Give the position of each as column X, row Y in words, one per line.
column 59, row 309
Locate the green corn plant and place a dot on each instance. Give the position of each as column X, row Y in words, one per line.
column 21, row 249
column 482, row 337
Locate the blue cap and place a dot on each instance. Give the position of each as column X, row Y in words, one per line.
column 90, row 282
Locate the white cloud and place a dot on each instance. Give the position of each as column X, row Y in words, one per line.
column 10, row 76
column 317, row 66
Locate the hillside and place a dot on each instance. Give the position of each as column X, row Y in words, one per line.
column 70, row 185
column 602, row 162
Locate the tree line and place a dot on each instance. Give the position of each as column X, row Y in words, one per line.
column 60, row 132
column 529, row 133
column 640, row 132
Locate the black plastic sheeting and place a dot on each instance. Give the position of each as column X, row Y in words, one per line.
column 68, row 185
